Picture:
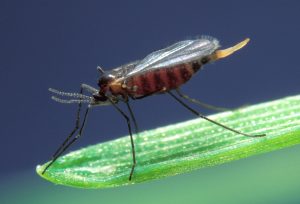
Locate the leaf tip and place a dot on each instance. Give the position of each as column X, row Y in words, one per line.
column 39, row 170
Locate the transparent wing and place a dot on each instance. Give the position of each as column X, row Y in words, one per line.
column 178, row 53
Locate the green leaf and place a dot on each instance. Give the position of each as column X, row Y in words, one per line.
column 181, row 147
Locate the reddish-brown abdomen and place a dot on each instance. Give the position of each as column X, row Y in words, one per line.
column 160, row 80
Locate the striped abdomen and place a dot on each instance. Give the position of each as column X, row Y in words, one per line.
column 160, row 80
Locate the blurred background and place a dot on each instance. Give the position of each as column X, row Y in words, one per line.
column 58, row 44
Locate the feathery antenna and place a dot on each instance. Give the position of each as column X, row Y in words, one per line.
column 79, row 98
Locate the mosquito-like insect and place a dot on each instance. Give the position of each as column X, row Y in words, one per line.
column 159, row 72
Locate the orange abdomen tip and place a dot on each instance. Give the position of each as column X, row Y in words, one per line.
column 226, row 52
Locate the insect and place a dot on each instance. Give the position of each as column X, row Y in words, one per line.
column 160, row 72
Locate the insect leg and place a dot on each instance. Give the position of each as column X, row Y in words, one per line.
column 61, row 147
column 130, row 132
column 210, row 120
column 200, row 103
column 132, row 117
column 65, row 147
column 131, row 139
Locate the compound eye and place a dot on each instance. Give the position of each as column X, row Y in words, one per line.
column 100, row 82
column 104, row 80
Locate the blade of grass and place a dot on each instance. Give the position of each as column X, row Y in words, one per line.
column 181, row 147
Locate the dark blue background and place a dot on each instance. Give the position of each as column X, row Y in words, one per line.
column 59, row 44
